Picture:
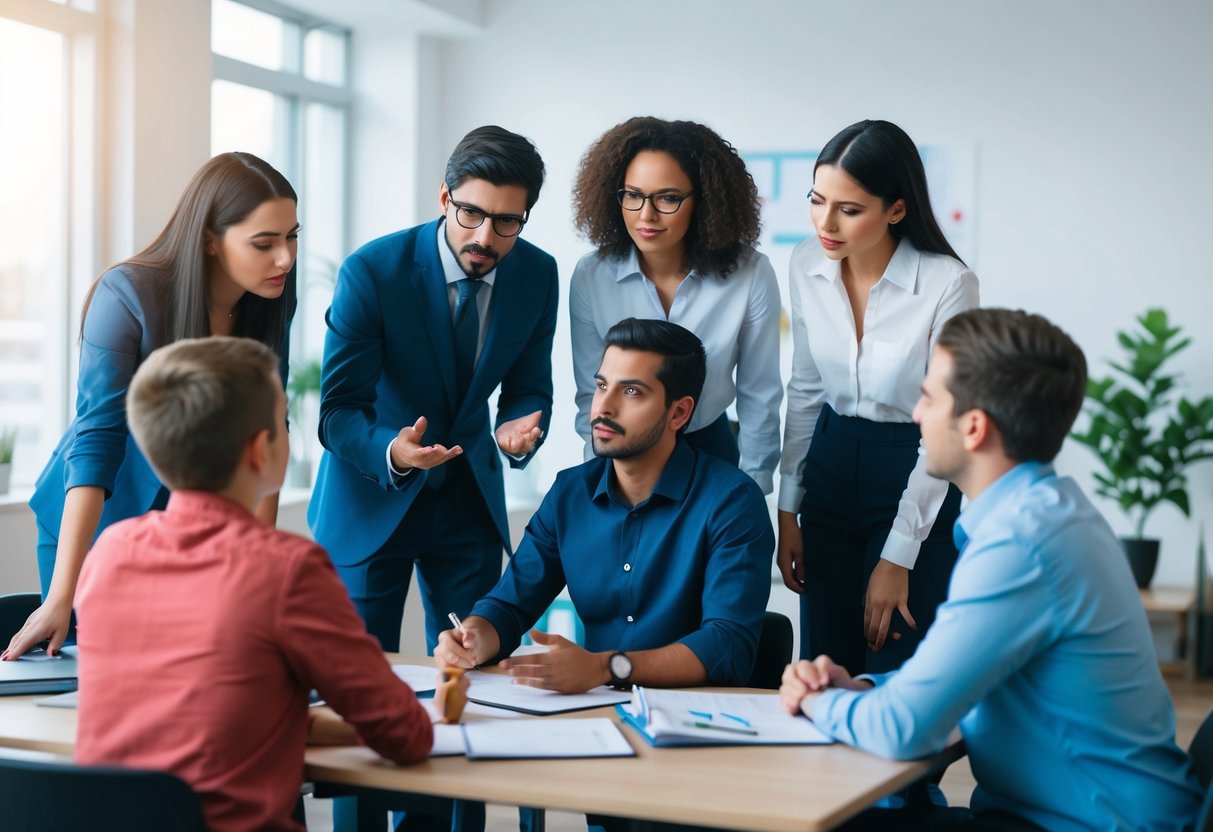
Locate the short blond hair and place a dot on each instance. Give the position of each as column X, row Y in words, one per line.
column 195, row 404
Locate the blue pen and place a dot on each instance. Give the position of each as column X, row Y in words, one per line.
column 744, row 722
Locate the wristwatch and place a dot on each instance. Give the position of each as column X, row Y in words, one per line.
column 620, row 668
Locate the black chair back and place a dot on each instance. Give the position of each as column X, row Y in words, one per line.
column 14, row 609
column 41, row 795
column 774, row 651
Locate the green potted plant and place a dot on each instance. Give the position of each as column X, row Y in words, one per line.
column 1144, row 435
column 8, row 440
column 304, row 383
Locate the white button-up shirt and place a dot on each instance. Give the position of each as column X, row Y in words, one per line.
column 877, row 378
column 736, row 318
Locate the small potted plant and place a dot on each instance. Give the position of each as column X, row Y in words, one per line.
column 304, row 384
column 1145, row 436
column 8, row 440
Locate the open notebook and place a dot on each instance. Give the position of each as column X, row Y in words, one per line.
column 693, row 717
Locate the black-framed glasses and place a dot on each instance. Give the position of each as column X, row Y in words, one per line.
column 663, row 203
column 469, row 216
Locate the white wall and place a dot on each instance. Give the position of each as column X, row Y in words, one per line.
column 1091, row 121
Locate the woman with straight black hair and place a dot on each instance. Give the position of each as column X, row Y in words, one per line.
column 872, row 554
column 223, row 265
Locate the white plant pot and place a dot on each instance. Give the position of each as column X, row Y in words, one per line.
column 6, row 476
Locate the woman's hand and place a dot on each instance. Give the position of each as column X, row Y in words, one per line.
column 790, row 552
column 888, row 590
column 49, row 621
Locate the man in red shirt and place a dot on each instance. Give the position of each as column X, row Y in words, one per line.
column 201, row 630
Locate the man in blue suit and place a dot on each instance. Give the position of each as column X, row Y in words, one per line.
column 425, row 324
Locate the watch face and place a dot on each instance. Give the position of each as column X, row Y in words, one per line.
column 621, row 666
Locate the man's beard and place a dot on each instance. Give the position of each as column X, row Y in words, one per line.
column 632, row 449
column 477, row 270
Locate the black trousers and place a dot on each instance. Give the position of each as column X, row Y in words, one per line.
column 854, row 476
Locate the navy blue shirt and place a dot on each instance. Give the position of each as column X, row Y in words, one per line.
column 691, row 564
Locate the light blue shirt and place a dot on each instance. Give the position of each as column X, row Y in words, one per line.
column 736, row 318
column 1043, row 656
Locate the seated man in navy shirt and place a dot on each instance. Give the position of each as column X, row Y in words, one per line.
column 666, row 551
column 1041, row 653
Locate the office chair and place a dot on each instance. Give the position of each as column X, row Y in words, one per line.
column 15, row 608
column 774, row 651
column 42, row 795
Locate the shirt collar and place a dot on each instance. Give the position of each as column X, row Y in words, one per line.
column 451, row 269
column 673, row 484
column 630, row 267
column 902, row 270
column 1021, row 476
column 192, row 504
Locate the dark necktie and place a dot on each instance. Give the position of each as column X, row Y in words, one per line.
column 467, row 334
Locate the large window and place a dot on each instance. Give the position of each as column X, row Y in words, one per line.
column 47, row 59
column 280, row 93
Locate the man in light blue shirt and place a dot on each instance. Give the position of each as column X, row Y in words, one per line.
column 1042, row 653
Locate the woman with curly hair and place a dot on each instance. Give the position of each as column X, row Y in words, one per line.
column 872, row 555
column 674, row 216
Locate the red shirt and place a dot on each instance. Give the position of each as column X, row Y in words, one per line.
column 201, row 632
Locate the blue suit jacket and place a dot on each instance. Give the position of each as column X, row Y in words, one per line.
column 125, row 322
column 389, row 358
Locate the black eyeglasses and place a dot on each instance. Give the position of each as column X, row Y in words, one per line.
column 666, row 203
column 469, row 216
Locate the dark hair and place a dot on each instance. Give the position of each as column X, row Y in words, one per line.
column 194, row 405
column 1025, row 373
column 223, row 193
column 726, row 215
column 882, row 158
column 498, row 156
column 684, row 366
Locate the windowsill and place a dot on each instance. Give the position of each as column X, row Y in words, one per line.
column 17, row 499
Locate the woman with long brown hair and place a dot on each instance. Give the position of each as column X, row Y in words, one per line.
column 223, row 265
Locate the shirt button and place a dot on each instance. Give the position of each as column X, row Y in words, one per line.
column 627, row 567
column 630, row 619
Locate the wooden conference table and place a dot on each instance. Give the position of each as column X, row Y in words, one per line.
column 773, row 788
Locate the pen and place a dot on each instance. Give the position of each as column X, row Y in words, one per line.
column 459, row 626
column 749, row 732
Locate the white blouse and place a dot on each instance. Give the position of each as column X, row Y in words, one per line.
column 736, row 318
column 877, row 378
